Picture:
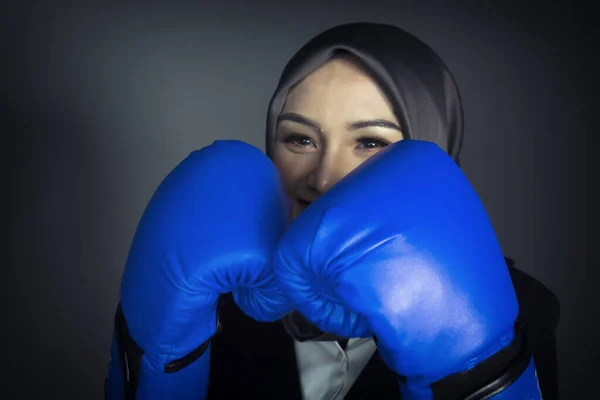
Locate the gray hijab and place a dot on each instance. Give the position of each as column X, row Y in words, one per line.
column 413, row 77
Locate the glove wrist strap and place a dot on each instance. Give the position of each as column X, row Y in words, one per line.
column 130, row 355
column 488, row 378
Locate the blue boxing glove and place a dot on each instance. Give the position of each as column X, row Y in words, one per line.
column 210, row 228
column 402, row 249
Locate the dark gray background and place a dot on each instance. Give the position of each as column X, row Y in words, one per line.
column 101, row 103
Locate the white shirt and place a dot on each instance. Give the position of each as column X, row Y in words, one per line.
column 327, row 372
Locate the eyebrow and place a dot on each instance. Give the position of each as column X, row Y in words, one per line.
column 293, row 117
column 382, row 123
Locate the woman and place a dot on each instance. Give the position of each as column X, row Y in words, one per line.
column 348, row 93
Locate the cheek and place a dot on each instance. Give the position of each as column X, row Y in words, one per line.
column 352, row 159
column 293, row 168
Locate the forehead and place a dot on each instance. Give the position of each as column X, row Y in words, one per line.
column 340, row 84
column 338, row 70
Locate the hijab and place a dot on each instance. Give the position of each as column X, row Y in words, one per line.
column 414, row 78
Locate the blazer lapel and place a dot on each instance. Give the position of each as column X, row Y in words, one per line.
column 252, row 359
column 377, row 381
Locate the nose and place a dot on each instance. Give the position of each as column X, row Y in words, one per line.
column 331, row 168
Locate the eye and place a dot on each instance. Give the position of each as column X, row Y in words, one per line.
column 299, row 140
column 371, row 143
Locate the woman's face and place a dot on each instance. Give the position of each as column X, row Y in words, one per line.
column 335, row 119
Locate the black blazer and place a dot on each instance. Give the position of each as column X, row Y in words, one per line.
column 257, row 360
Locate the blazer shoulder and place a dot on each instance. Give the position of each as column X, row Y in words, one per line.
column 538, row 305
